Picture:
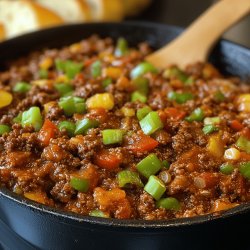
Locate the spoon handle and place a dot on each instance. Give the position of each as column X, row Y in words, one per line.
column 195, row 43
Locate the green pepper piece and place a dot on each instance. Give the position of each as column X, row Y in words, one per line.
column 245, row 169
column 219, row 96
column 4, row 129
column 98, row 213
column 196, row 115
column 79, row 184
column 72, row 105
column 96, row 69
column 226, row 168
column 150, row 165
column 141, row 84
column 18, row 118
column 112, row 136
column 84, row 125
column 166, row 164
column 155, row 187
column 142, row 112
column 244, row 144
column 43, row 73
column 143, row 68
column 68, row 126
column 151, row 123
column 127, row 177
column 175, row 72
column 22, row 87
column 32, row 117
column 63, row 88
column 169, row 203
column 138, row 96
column 70, row 68
column 121, row 47
column 180, row 97
column 208, row 129
column 106, row 82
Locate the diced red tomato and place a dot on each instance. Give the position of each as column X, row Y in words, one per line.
column 48, row 131
column 80, row 77
column 89, row 61
column 236, row 125
column 244, row 156
column 99, row 114
column 107, row 159
column 246, row 133
column 144, row 144
column 174, row 113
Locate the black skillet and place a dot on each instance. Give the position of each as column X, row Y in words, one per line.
column 47, row 228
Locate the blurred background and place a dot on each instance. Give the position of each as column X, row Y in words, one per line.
column 21, row 16
column 182, row 13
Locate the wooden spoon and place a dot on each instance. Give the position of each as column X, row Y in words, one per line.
column 195, row 44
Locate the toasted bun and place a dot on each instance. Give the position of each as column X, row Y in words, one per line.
column 106, row 10
column 20, row 16
column 133, row 7
column 70, row 11
column 2, row 32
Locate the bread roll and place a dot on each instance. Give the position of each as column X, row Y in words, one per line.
column 71, row 11
column 133, row 7
column 2, row 32
column 106, row 10
column 19, row 16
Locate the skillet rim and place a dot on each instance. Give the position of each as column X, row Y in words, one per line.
column 111, row 222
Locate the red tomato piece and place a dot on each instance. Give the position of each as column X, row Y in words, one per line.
column 144, row 144
column 48, row 131
column 107, row 159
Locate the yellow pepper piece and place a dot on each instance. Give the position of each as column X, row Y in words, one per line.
column 216, row 145
column 128, row 112
column 42, row 82
column 47, row 106
column 62, row 79
column 104, row 100
column 112, row 72
column 75, row 48
column 46, row 63
column 244, row 102
column 36, row 196
column 5, row 98
column 106, row 57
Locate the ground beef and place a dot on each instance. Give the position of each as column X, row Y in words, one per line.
column 196, row 127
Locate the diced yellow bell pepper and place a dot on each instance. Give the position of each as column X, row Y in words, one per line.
column 112, row 72
column 244, row 102
column 216, row 145
column 46, row 63
column 244, row 98
column 62, row 79
column 36, row 196
column 47, row 106
column 75, row 47
column 128, row 112
column 42, row 82
column 106, row 57
column 5, row 98
column 105, row 100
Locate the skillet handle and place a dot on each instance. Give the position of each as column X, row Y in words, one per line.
column 196, row 42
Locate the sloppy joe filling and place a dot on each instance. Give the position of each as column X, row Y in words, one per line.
column 94, row 129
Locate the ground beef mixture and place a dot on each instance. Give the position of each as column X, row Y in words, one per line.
column 94, row 129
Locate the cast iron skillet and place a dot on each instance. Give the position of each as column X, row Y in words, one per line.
column 47, row 228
